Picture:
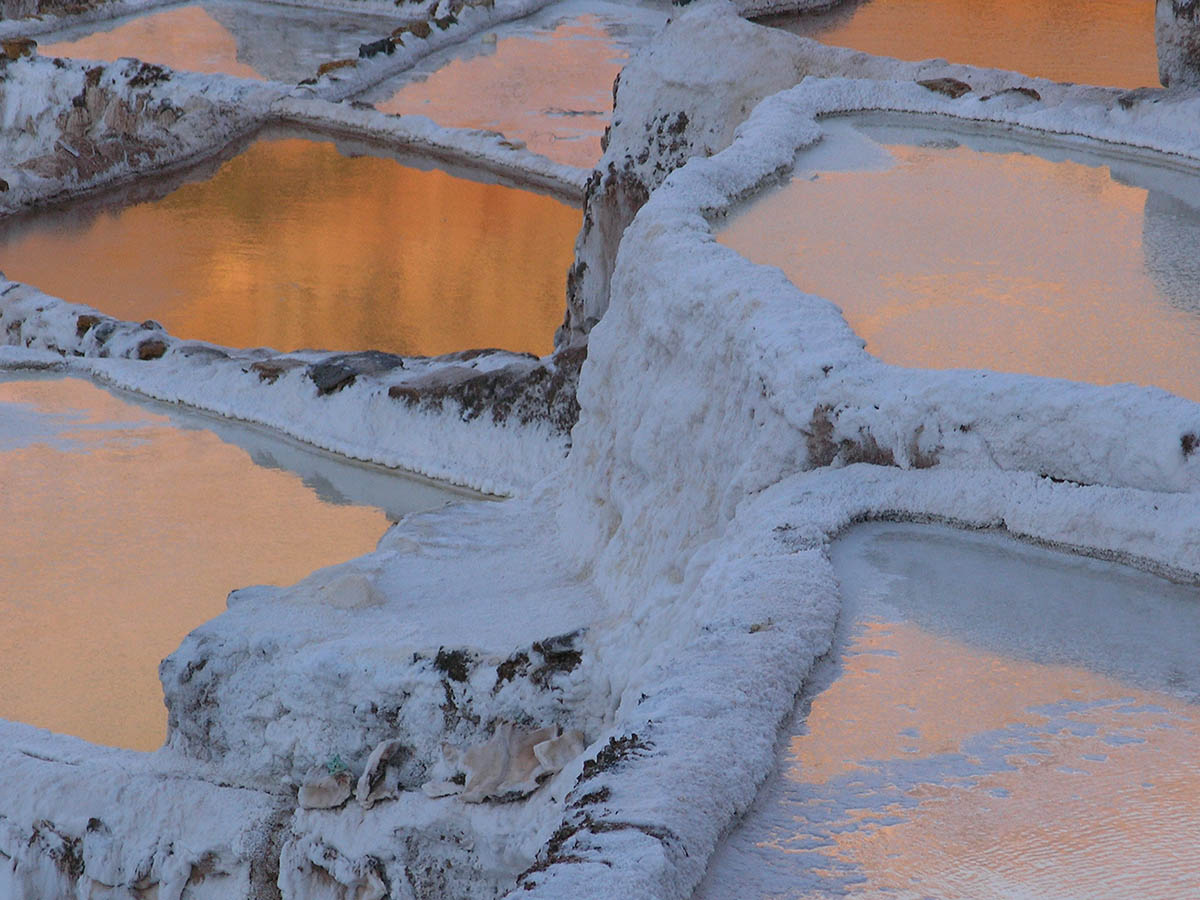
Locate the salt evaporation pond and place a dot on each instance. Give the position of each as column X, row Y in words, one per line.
column 122, row 528
column 292, row 244
column 995, row 721
column 246, row 39
column 985, row 252
column 1104, row 42
column 546, row 81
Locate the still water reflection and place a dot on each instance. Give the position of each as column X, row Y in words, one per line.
column 995, row 721
column 948, row 257
column 293, row 245
column 122, row 529
column 245, row 39
column 546, row 83
column 1105, row 42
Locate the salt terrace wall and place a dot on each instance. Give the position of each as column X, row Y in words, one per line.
column 732, row 425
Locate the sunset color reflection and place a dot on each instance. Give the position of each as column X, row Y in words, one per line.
column 551, row 89
column 293, row 245
column 955, row 258
column 119, row 534
column 994, row 720
column 969, row 774
column 1105, row 42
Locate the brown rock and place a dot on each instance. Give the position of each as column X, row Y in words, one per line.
column 420, row 29
column 86, row 323
column 333, row 66
column 15, row 48
column 269, row 370
column 151, row 348
column 951, row 87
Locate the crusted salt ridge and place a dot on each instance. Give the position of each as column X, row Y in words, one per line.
column 493, row 421
column 70, row 127
column 483, row 151
column 68, row 828
column 365, row 73
column 794, row 433
column 101, row 12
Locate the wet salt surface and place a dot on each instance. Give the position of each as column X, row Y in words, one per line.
column 249, row 40
column 995, row 721
column 969, row 251
column 297, row 243
column 546, row 81
column 1103, row 42
column 124, row 526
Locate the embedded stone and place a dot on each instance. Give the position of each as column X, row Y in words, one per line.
column 15, row 48
column 951, row 87
column 151, row 348
column 322, row 789
column 378, row 780
column 86, row 323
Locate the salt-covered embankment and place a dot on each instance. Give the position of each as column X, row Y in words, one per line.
column 71, row 127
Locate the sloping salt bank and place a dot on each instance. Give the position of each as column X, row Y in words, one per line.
column 246, row 39
column 730, row 426
column 74, row 816
column 42, row 23
column 71, row 127
column 492, row 421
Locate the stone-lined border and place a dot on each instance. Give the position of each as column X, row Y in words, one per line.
column 490, row 420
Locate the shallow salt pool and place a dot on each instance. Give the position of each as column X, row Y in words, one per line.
column 995, row 721
column 1104, row 42
column 249, row 40
column 981, row 251
column 300, row 243
column 124, row 526
column 546, row 81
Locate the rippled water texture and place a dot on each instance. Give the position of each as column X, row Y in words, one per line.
column 244, row 39
column 1106, row 42
column 293, row 245
column 947, row 257
column 996, row 721
column 547, row 85
column 121, row 530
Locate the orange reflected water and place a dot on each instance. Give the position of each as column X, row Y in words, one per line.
column 1000, row 777
column 961, row 259
column 1105, row 42
column 120, row 533
column 186, row 37
column 292, row 245
column 552, row 90
column 994, row 721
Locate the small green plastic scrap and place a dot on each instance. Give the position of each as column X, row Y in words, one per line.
column 334, row 765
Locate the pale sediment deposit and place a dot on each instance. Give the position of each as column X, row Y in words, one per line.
column 657, row 590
